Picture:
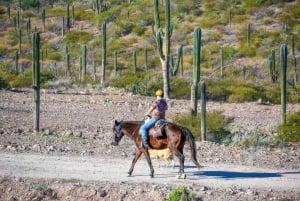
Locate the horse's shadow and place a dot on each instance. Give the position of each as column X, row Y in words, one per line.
column 227, row 175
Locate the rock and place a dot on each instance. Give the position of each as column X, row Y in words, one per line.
column 102, row 193
column 36, row 147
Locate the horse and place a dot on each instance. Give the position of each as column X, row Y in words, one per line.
column 173, row 137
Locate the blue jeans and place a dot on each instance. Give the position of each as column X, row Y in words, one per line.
column 146, row 127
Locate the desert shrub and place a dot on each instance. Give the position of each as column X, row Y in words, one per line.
column 122, row 28
column 181, row 193
column 81, row 14
column 244, row 94
column 29, row 3
column 290, row 132
column 5, row 78
column 216, row 122
column 25, row 79
column 217, row 92
column 180, row 88
column 273, row 94
column 55, row 56
column 252, row 139
column 78, row 37
column 138, row 30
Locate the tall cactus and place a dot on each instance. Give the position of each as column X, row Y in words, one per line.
column 248, row 34
column 283, row 63
column 103, row 53
column 36, row 78
column 68, row 23
column 163, row 40
column 146, row 57
column 44, row 19
column 28, row 26
column 20, row 40
column 294, row 61
column 203, row 111
column 134, row 61
column 84, row 61
column 272, row 66
column 196, row 70
column 222, row 61
column 17, row 62
column 115, row 62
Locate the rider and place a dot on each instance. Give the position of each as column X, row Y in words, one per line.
column 158, row 111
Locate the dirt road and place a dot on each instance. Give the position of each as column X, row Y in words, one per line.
column 102, row 169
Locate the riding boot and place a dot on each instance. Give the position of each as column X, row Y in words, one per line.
column 145, row 143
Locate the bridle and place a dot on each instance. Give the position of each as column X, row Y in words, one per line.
column 118, row 132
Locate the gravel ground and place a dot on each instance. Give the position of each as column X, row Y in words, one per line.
column 79, row 123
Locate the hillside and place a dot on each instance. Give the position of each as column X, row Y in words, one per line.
column 129, row 29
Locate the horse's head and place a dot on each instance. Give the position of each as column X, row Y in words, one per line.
column 118, row 134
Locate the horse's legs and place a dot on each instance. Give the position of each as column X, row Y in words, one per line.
column 146, row 153
column 179, row 154
column 138, row 153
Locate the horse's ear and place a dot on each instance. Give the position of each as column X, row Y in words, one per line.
column 116, row 122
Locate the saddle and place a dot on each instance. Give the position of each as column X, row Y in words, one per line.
column 158, row 128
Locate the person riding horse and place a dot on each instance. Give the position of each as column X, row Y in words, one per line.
column 156, row 112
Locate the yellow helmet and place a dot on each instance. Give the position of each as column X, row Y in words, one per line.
column 159, row 93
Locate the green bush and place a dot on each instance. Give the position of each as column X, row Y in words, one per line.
column 181, row 193
column 244, row 94
column 55, row 56
column 25, row 79
column 216, row 122
column 29, row 3
column 234, row 90
column 248, row 140
column 290, row 132
column 78, row 37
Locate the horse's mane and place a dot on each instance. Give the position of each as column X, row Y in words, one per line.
column 133, row 122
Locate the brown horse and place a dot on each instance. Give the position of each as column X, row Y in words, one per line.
column 174, row 138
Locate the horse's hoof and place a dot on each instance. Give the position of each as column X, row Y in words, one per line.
column 181, row 176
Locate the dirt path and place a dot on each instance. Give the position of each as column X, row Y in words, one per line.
column 104, row 169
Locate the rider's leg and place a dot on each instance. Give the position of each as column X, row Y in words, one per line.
column 144, row 131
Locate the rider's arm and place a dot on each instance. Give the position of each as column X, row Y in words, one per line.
column 153, row 106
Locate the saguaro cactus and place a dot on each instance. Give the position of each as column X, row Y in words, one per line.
column 248, row 34
column 134, row 55
column 222, row 60
column 103, row 52
column 17, row 62
column 272, row 66
column 163, row 40
column 36, row 78
column 84, row 61
column 196, row 70
column 283, row 63
column 146, row 57
column 44, row 19
column 68, row 23
column 294, row 61
column 115, row 62
column 203, row 111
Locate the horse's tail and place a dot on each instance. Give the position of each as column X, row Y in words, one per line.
column 191, row 140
